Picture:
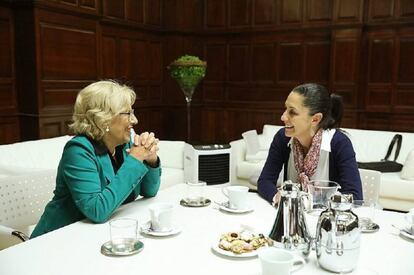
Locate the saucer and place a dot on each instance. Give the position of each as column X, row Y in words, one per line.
column 368, row 226
column 404, row 232
column 146, row 229
column 107, row 249
column 202, row 203
column 226, row 207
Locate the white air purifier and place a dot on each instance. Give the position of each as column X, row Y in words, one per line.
column 209, row 163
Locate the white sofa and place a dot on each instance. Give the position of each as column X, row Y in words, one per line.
column 44, row 154
column 28, row 173
column 395, row 193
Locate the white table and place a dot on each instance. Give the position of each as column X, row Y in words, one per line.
column 75, row 249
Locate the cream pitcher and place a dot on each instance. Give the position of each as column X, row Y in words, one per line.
column 289, row 229
column 338, row 236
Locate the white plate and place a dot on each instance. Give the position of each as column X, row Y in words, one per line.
column 224, row 206
column 146, row 229
column 216, row 248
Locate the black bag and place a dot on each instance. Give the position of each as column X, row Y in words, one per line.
column 385, row 165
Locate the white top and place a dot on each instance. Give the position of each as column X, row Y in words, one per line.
column 75, row 249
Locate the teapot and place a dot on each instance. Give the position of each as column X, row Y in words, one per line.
column 338, row 235
column 289, row 228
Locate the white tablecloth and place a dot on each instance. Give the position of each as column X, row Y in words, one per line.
column 75, row 249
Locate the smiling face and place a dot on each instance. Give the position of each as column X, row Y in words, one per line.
column 120, row 127
column 298, row 121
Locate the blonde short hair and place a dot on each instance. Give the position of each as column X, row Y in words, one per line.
column 97, row 104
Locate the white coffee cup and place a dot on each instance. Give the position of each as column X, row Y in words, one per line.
column 161, row 216
column 237, row 196
column 409, row 217
column 278, row 261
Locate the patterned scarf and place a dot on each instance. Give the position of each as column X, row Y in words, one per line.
column 306, row 164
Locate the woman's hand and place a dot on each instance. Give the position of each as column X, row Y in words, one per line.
column 145, row 148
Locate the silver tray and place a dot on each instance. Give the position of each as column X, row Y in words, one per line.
column 204, row 202
column 106, row 249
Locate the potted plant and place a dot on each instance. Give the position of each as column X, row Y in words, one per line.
column 188, row 70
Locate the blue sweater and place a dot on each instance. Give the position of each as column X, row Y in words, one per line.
column 343, row 168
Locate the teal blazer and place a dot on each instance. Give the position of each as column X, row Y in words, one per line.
column 87, row 186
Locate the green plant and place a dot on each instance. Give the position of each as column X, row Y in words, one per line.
column 187, row 70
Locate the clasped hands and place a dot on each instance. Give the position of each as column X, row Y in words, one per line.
column 145, row 148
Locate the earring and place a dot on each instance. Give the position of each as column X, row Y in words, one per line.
column 107, row 129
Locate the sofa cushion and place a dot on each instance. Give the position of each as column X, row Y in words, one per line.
column 36, row 154
column 171, row 176
column 252, row 142
column 407, row 172
column 245, row 169
column 171, row 153
column 392, row 186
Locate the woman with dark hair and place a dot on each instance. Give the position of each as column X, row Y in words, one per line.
column 311, row 146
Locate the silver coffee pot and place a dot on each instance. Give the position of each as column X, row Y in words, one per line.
column 338, row 235
column 289, row 229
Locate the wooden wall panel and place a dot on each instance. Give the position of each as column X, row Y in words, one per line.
column 346, row 11
column 9, row 124
column 134, row 10
column 263, row 63
column 110, row 57
column 291, row 11
column 69, row 45
column 319, row 10
column 264, row 12
column 239, row 65
column 290, row 61
column 345, row 61
column 114, row 9
column 67, row 53
column 153, row 12
column 239, row 13
column 406, row 9
column 215, row 14
column 381, row 9
column 317, row 61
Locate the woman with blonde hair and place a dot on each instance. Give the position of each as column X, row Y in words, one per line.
column 103, row 166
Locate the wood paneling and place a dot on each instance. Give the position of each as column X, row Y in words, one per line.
column 381, row 9
column 291, row 11
column 9, row 124
column 134, row 10
column 263, row 63
column 257, row 51
column 215, row 14
column 346, row 11
column 239, row 65
column 319, row 10
column 264, row 12
column 290, row 61
column 239, row 13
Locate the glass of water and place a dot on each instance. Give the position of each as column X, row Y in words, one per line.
column 124, row 234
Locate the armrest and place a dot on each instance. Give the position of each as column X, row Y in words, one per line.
column 10, row 236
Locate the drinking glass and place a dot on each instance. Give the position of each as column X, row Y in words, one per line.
column 124, row 234
column 195, row 192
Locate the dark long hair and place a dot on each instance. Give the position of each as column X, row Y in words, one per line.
column 318, row 100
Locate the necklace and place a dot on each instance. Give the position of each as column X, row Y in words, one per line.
column 113, row 154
